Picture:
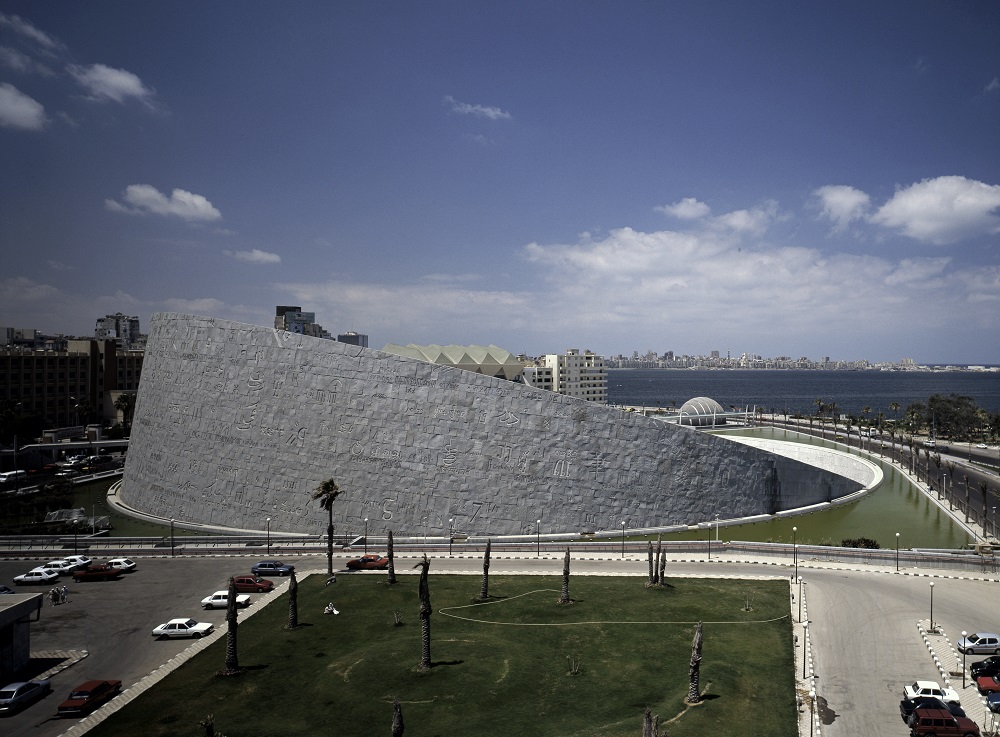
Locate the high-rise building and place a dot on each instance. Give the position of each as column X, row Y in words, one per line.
column 575, row 374
column 353, row 338
column 294, row 320
column 123, row 329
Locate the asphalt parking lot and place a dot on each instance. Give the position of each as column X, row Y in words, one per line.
column 113, row 621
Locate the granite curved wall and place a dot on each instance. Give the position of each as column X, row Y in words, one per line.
column 235, row 423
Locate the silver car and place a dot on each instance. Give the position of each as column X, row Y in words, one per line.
column 980, row 643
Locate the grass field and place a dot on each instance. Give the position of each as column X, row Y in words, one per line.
column 501, row 668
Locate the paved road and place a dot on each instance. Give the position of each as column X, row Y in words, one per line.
column 863, row 623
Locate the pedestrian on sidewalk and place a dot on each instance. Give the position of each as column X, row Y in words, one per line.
column 64, row 593
column 54, row 596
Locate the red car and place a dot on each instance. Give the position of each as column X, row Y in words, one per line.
column 368, row 563
column 252, row 584
column 88, row 696
column 988, row 684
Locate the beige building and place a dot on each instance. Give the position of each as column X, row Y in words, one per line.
column 572, row 374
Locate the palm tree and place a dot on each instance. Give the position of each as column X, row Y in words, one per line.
column 392, row 561
column 125, row 403
column 694, row 669
column 397, row 719
column 327, row 494
column 425, row 614
column 894, row 406
column 484, row 592
column 293, row 602
column 652, row 572
column 564, row 598
column 232, row 656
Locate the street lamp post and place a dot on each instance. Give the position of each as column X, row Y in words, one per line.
column 795, row 551
column 451, row 533
column 623, row 538
column 964, row 635
column 268, row 537
column 805, row 631
column 709, row 542
column 366, row 536
column 800, row 598
column 932, row 606
column 538, row 538
column 171, row 537
column 812, row 710
column 716, row 528
column 897, row 552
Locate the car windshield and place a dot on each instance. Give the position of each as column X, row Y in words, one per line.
column 9, row 694
column 79, row 694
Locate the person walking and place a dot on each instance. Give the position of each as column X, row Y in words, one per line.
column 54, row 596
column 64, row 594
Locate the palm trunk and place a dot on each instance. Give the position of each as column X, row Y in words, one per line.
column 232, row 653
column 661, row 561
column 652, row 573
column 293, row 603
column 329, row 542
column 694, row 670
column 392, row 561
column 397, row 719
column 564, row 599
column 484, row 592
column 663, row 568
column 425, row 615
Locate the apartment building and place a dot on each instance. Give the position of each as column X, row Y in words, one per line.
column 573, row 373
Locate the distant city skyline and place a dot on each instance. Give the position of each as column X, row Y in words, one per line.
column 802, row 178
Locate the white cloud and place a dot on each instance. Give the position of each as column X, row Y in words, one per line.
column 993, row 86
column 688, row 208
column 749, row 222
column 20, row 289
column 26, row 30
column 20, row 62
column 145, row 198
column 255, row 256
column 943, row 210
column 842, row 204
column 479, row 111
column 105, row 83
column 204, row 306
column 59, row 265
column 18, row 110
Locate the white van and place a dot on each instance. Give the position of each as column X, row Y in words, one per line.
column 7, row 476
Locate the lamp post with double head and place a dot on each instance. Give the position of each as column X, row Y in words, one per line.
column 366, row 536
column 932, row 607
column 538, row 538
column 623, row 538
column 268, row 537
column 897, row 552
column 171, row 537
column 451, row 533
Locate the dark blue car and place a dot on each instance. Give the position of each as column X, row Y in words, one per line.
column 271, row 568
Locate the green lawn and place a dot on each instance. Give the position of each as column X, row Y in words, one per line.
column 504, row 669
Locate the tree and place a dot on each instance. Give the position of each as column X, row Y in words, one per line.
column 425, row 615
column 125, row 403
column 484, row 592
column 327, row 493
column 392, row 561
column 564, row 598
column 232, row 655
column 293, row 602
column 694, row 668
column 650, row 724
column 652, row 568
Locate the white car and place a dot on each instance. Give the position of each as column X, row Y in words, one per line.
column 220, row 600
column 183, row 628
column 37, row 575
column 980, row 643
column 60, row 567
column 125, row 565
column 930, row 688
column 981, row 445
column 78, row 561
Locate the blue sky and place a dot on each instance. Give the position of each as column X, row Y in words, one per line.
column 802, row 179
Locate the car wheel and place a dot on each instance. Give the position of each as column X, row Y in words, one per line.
column 207, row 607
column 196, row 635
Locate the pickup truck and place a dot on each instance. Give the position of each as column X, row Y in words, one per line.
column 97, row 572
column 220, row 600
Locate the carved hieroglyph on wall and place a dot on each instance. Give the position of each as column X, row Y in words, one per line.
column 236, row 423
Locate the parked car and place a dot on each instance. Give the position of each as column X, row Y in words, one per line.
column 37, row 575
column 17, row 696
column 88, row 696
column 273, row 567
column 78, row 560
column 988, row 667
column 980, row 643
column 981, row 445
column 368, row 562
column 183, row 628
column 940, row 722
column 220, row 600
column 908, row 706
column 988, row 684
column 993, row 702
column 60, row 567
column 125, row 565
column 930, row 688
column 97, row 572
column 252, row 584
